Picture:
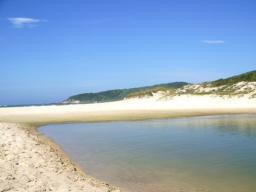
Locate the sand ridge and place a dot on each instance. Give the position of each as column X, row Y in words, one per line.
column 130, row 109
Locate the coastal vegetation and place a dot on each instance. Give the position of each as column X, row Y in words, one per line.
column 246, row 77
column 239, row 85
column 120, row 94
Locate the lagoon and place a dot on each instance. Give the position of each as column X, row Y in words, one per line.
column 206, row 154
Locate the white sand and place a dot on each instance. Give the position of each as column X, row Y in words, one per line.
column 154, row 107
column 29, row 162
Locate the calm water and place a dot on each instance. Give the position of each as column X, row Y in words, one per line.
column 213, row 154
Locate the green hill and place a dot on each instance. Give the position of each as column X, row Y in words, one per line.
column 218, row 87
column 247, row 77
column 239, row 85
column 119, row 94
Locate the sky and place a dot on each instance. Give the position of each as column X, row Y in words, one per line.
column 52, row 49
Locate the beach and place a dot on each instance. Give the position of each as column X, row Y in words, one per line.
column 129, row 109
column 31, row 162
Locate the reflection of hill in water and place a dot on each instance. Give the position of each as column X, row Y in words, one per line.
column 234, row 124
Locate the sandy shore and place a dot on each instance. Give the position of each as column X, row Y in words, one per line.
column 132, row 109
column 30, row 162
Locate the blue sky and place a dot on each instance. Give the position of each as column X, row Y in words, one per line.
column 52, row 49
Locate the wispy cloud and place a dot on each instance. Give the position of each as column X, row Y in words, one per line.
column 20, row 22
column 213, row 41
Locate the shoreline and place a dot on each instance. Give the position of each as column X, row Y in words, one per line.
column 130, row 109
column 29, row 161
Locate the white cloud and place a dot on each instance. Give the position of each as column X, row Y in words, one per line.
column 213, row 41
column 20, row 22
